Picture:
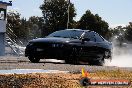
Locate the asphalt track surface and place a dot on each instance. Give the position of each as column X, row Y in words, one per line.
column 10, row 62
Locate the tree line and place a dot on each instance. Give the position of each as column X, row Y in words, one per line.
column 55, row 16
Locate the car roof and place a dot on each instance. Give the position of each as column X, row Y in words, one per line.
column 81, row 30
column 77, row 30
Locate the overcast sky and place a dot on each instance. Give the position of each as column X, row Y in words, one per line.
column 115, row 12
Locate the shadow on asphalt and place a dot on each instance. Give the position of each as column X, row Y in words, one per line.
column 61, row 63
column 67, row 63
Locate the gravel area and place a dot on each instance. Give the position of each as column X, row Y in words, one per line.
column 60, row 80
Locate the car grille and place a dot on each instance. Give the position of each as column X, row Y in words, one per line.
column 42, row 45
column 49, row 50
column 48, row 47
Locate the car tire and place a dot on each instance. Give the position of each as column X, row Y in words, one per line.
column 99, row 62
column 33, row 59
column 96, row 62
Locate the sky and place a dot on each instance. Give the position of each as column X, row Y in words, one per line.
column 115, row 12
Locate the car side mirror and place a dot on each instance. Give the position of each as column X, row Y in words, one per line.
column 85, row 39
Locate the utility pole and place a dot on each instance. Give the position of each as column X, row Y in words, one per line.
column 68, row 11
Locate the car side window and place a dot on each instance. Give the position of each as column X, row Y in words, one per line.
column 90, row 36
column 98, row 38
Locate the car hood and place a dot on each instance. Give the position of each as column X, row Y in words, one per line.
column 52, row 40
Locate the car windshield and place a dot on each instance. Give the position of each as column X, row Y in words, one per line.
column 67, row 34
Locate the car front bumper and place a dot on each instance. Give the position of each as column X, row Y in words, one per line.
column 52, row 52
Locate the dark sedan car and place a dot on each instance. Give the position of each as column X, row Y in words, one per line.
column 71, row 45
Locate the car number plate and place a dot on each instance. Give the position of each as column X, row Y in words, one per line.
column 38, row 49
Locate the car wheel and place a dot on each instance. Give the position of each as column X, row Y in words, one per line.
column 33, row 59
column 100, row 61
column 96, row 62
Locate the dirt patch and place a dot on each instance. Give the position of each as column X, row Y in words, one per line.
column 59, row 80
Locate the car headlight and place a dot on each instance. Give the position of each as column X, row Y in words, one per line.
column 57, row 45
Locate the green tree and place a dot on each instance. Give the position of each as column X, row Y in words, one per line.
column 128, row 33
column 34, row 25
column 119, row 35
column 16, row 26
column 22, row 29
column 93, row 22
column 55, row 13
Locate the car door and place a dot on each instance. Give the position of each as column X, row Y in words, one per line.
column 89, row 47
column 100, row 44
